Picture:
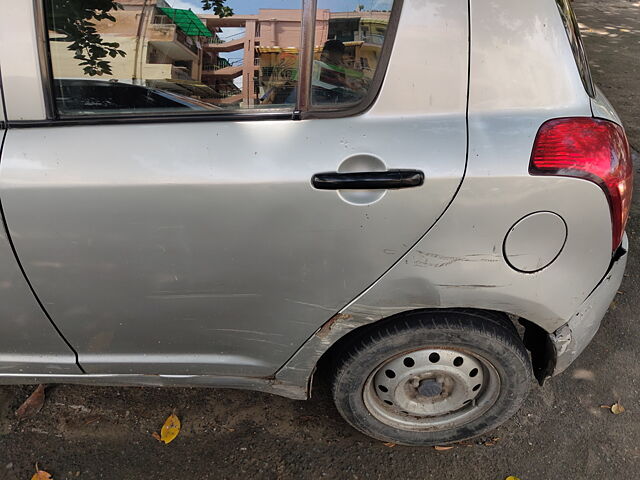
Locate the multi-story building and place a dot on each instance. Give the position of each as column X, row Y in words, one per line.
column 270, row 45
column 163, row 46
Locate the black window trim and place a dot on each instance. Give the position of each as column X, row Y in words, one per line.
column 330, row 111
column 304, row 109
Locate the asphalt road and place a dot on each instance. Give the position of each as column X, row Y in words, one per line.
column 561, row 433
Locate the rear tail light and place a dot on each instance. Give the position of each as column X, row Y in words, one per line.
column 593, row 149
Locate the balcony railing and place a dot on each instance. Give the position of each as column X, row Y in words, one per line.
column 215, row 40
column 164, row 23
column 161, row 20
column 185, row 40
column 223, row 64
column 180, row 73
column 374, row 39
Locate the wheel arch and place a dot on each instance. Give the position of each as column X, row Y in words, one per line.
column 342, row 330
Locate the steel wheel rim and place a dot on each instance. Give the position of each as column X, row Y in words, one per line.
column 431, row 389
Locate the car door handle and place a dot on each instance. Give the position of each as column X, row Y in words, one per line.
column 387, row 180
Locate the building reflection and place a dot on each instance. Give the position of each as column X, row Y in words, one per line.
column 256, row 65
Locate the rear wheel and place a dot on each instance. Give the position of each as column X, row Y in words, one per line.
column 433, row 377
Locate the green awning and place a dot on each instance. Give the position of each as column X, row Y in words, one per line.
column 187, row 21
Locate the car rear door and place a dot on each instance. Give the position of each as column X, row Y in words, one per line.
column 29, row 342
column 198, row 244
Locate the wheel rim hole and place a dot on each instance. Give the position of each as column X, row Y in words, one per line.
column 458, row 361
column 390, row 373
column 409, row 362
column 434, row 357
column 383, row 388
column 473, row 372
column 467, row 402
column 476, row 388
column 388, row 402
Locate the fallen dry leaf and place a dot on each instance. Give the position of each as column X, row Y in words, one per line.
column 465, row 443
column 511, row 477
column 156, row 436
column 92, row 419
column 170, row 429
column 33, row 404
column 41, row 475
column 389, row 444
column 442, row 448
column 617, row 408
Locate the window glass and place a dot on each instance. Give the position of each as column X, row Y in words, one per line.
column 150, row 56
column 349, row 38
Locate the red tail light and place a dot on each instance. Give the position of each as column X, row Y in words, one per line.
column 589, row 148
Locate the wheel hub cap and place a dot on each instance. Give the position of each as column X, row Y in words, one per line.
column 429, row 388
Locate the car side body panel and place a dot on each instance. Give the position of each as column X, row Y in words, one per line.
column 202, row 248
column 456, row 263
column 29, row 343
column 460, row 262
column 602, row 108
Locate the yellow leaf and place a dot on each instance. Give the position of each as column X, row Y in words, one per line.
column 170, row 429
column 41, row 475
column 511, row 477
column 617, row 408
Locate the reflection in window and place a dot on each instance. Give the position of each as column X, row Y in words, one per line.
column 133, row 56
column 348, row 48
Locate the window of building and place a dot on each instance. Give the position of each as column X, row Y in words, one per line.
column 148, row 57
column 348, row 46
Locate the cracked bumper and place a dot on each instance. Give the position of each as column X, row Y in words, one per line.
column 572, row 338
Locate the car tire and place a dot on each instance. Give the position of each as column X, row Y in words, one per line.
column 413, row 380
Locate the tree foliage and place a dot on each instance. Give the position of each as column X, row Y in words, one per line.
column 76, row 20
column 218, row 7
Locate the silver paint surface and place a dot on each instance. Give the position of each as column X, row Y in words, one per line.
column 28, row 342
column 522, row 74
column 267, row 385
column 21, row 77
column 573, row 337
column 535, row 241
column 200, row 252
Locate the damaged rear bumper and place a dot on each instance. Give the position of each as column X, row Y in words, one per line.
column 572, row 338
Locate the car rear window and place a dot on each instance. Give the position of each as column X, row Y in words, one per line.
column 573, row 31
column 130, row 58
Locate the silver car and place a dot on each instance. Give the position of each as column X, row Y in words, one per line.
column 423, row 201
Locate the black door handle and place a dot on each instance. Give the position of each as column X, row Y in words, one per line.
column 387, row 180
